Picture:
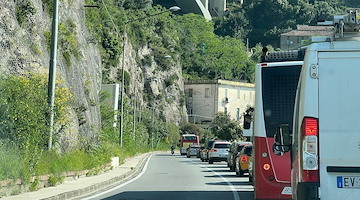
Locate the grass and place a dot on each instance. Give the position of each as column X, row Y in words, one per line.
column 11, row 166
column 51, row 162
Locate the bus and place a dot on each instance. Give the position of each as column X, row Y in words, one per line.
column 275, row 89
column 186, row 140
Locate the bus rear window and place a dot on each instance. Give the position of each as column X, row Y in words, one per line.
column 222, row 146
column 279, row 89
column 189, row 138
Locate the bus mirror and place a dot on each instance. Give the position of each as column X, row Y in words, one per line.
column 247, row 121
column 282, row 138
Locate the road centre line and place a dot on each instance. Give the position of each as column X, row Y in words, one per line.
column 234, row 191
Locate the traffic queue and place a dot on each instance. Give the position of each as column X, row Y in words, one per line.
column 237, row 154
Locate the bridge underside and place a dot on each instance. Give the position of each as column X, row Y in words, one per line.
column 194, row 6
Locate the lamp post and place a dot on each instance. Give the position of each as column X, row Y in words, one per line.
column 52, row 71
column 171, row 9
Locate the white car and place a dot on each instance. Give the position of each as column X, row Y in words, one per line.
column 219, row 152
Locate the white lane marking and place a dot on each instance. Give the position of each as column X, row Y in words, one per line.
column 122, row 185
column 234, row 191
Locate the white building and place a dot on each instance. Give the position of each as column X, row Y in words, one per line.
column 205, row 98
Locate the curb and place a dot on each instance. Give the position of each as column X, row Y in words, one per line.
column 103, row 185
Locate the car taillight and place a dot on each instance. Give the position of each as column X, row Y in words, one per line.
column 243, row 159
column 310, row 133
column 213, row 150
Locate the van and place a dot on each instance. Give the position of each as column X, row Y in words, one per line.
column 325, row 142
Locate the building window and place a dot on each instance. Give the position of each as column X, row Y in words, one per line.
column 237, row 114
column 190, row 92
column 190, row 111
column 238, row 94
column 207, row 92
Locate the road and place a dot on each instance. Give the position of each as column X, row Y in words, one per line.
column 175, row 177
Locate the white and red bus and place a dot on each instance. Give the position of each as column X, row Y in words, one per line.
column 275, row 89
column 186, row 140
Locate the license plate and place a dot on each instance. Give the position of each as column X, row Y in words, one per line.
column 348, row 181
column 287, row 191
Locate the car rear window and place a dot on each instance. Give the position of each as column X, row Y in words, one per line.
column 248, row 150
column 222, row 146
column 239, row 148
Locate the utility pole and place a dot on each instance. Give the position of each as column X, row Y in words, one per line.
column 52, row 71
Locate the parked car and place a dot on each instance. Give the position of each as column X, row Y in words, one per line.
column 192, row 150
column 235, row 148
column 218, row 152
column 243, row 160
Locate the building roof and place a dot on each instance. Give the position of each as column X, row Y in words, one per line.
column 219, row 81
column 305, row 30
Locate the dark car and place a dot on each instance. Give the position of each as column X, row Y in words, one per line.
column 235, row 148
column 204, row 154
column 199, row 152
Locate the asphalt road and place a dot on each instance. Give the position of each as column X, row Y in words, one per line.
column 175, row 177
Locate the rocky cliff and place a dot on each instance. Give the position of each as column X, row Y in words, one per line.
column 25, row 26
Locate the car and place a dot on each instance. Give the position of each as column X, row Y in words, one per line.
column 251, row 167
column 205, row 152
column 235, row 148
column 192, row 150
column 243, row 160
column 218, row 152
column 199, row 151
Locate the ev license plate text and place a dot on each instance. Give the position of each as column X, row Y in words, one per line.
column 348, row 181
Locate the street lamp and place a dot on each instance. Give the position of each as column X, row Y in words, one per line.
column 171, row 9
column 52, row 71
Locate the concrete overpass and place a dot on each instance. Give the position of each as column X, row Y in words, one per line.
column 195, row 6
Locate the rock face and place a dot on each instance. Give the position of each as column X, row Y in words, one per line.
column 163, row 88
column 24, row 46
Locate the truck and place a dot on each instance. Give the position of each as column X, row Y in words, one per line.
column 324, row 140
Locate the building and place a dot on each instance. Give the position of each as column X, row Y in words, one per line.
column 302, row 36
column 205, row 98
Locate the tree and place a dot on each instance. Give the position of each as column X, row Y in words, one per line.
column 224, row 128
column 233, row 24
column 191, row 128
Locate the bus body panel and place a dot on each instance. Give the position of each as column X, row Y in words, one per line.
column 263, row 187
column 334, row 99
column 275, row 182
